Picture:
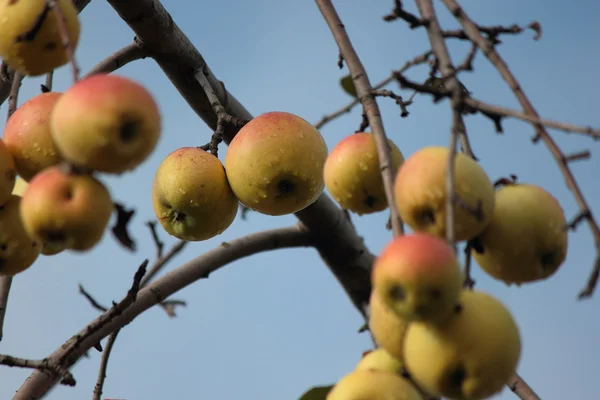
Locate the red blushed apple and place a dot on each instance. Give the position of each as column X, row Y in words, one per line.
column 419, row 277
column 275, row 163
column 352, row 173
column 66, row 210
column 106, row 123
column 27, row 135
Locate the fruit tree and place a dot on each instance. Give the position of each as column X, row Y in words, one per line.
column 191, row 214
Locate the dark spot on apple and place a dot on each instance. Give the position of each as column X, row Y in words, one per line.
column 370, row 201
column 12, row 2
column 2, row 263
column 454, row 380
column 50, row 45
column 3, row 247
column 458, row 308
column 548, row 260
column 435, row 294
column 425, row 216
column 476, row 245
column 54, row 236
column 68, row 193
column 33, row 244
column 128, row 131
column 397, row 293
column 11, row 174
column 286, row 187
column 179, row 216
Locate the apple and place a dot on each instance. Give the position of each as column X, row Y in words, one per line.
column 527, row 237
column 8, row 173
column 275, row 163
column 420, row 192
column 191, row 195
column 106, row 123
column 66, row 210
column 31, row 42
column 352, row 173
column 373, row 385
column 380, row 360
column 386, row 326
column 18, row 251
column 27, row 135
column 419, row 277
column 470, row 356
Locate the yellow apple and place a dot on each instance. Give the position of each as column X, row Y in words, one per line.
column 379, row 360
column 31, row 42
column 470, row 356
column 8, row 173
column 18, row 251
column 352, row 173
column 275, row 164
column 419, row 277
column 386, row 326
column 191, row 195
column 373, row 385
column 527, row 237
column 66, row 210
column 27, row 135
column 420, row 191
column 106, row 123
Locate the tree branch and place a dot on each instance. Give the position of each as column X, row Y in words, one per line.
column 132, row 52
column 488, row 50
column 364, row 92
column 38, row 383
column 97, row 395
column 5, row 283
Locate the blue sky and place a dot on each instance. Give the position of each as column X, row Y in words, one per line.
column 273, row 325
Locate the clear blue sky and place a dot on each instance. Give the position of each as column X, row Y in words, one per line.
column 271, row 326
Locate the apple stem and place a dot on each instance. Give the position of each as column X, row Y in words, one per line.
column 64, row 33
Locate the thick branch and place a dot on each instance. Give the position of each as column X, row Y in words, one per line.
column 66, row 355
column 364, row 92
column 486, row 48
column 122, row 57
column 180, row 60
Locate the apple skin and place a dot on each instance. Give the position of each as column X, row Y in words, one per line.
column 191, row 196
column 45, row 51
column 106, row 123
column 387, row 327
column 27, row 135
column 420, row 192
column 275, row 164
column 419, row 277
column 527, row 237
column 380, row 360
column 18, row 251
column 352, row 173
column 470, row 356
column 8, row 173
column 373, row 385
column 66, row 210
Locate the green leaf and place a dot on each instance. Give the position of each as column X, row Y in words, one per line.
column 316, row 393
column 348, row 85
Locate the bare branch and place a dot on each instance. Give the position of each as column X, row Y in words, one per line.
column 92, row 300
column 486, row 48
column 64, row 33
column 47, row 87
column 519, row 387
column 66, row 355
column 41, row 365
column 371, row 109
column 97, row 394
column 5, row 283
column 132, row 52
column 161, row 262
column 157, row 242
column 13, row 98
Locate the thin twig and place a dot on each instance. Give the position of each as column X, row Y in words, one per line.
column 157, row 242
column 519, row 387
column 92, row 300
column 47, row 86
column 13, row 97
column 66, row 40
column 5, row 283
column 97, row 395
column 489, row 51
column 371, row 109
column 161, row 262
column 132, row 52
column 42, row 365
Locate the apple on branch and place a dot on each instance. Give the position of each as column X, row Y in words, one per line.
column 106, row 123
column 28, row 138
column 352, row 173
column 191, row 196
column 31, row 41
column 373, row 385
column 275, row 163
column 386, row 326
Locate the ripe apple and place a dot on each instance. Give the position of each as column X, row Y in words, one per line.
column 275, row 164
column 470, row 356
column 352, row 173
column 527, row 237
column 373, row 385
column 27, row 135
column 106, row 123
column 419, row 277
column 420, row 191
column 191, row 196
column 379, row 360
column 18, row 251
column 66, row 210
column 8, row 173
column 386, row 326
column 31, row 42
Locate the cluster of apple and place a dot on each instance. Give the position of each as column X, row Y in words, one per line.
column 55, row 142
